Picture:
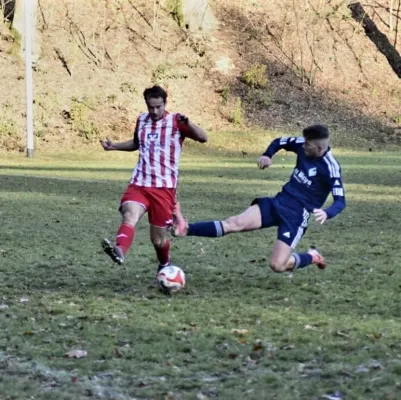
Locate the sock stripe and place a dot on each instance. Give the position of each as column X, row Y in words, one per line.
column 211, row 229
column 302, row 260
column 297, row 260
column 219, row 228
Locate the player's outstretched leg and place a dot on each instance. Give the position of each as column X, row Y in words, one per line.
column 249, row 220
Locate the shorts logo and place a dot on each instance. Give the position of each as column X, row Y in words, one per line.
column 312, row 172
column 287, row 235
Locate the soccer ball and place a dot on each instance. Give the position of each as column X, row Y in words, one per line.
column 171, row 279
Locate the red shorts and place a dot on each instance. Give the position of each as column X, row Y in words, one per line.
column 158, row 202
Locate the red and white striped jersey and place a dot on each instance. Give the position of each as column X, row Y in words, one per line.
column 160, row 144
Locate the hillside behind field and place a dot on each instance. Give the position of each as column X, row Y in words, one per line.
column 269, row 65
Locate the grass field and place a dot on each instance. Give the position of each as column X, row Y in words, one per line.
column 237, row 331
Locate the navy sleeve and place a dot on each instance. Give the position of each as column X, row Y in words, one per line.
column 284, row 143
column 337, row 191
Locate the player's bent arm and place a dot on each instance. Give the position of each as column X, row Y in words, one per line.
column 129, row 145
column 285, row 143
column 338, row 193
column 335, row 209
column 194, row 132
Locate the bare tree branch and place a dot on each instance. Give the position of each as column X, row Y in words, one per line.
column 380, row 40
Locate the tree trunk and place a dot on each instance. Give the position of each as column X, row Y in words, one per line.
column 378, row 38
column 18, row 26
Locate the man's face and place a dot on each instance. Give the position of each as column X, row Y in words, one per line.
column 316, row 148
column 156, row 107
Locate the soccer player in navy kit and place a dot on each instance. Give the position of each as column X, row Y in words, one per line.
column 316, row 174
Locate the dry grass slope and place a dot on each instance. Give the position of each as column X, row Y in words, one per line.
column 98, row 57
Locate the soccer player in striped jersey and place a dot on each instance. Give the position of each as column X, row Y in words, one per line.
column 158, row 136
column 316, row 174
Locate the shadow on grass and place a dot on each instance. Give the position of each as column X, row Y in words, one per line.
column 221, row 185
column 361, row 169
column 59, row 169
column 65, row 256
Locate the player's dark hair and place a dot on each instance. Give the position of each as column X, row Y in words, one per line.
column 317, row 131
column 155, row 92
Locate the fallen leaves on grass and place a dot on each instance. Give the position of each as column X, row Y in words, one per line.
column 258, row 346
column 374, row 335
column 76, row 354
column 117, row 353
column 239, row 332
column 258, row 350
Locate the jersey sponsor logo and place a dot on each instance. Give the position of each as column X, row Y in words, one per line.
column 153, row 135
column 312, row 172
column 301, row 177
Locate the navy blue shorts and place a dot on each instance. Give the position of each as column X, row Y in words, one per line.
column 292, row 221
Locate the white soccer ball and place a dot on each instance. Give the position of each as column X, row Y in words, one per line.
column 171, row 279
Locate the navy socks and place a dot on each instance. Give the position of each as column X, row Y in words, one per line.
column 206, row 229
column 302, row 260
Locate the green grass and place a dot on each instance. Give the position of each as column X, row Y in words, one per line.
column 303, row 336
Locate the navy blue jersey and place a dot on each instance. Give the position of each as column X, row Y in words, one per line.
column 313, row 179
